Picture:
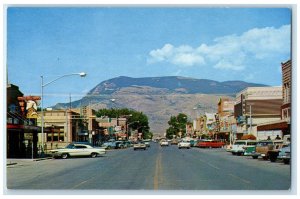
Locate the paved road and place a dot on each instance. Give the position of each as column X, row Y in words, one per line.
column 157, row 168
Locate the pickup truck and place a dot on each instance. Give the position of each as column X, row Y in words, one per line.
column 267, row 149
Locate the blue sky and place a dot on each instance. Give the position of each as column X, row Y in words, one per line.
column 221, row 44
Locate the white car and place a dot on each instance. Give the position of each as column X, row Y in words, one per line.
column 139, row 145
column 164, row 143
column 184, row 144
column 238, row 148
column 72, row 150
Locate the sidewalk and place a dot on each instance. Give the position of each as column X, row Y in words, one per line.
column 15, row 161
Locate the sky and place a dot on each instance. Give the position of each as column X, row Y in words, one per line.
column 216, row 43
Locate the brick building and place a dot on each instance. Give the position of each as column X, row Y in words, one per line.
column 281, row 126
column 257, row 105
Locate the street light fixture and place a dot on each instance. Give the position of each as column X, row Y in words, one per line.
column 82, row 74
column 128, row 127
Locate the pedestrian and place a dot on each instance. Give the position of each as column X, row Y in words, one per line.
column 269, row 138
column 277, row 138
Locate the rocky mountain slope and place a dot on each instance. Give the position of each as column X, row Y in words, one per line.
column 160, row 97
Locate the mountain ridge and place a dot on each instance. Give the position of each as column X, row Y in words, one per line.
column 191, row 85
column 160, row 97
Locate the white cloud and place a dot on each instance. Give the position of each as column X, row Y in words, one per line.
column 162, row 54
column 230, row 52
column 183, row 55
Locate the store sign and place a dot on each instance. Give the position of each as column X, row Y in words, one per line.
column 118, row 128
column 31, row 103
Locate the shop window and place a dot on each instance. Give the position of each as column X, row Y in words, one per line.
column 55, row 137
column 16, row 121
column 9, row 120
column 49, row 137
column 61, row 137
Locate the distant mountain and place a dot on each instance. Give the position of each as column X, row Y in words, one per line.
column 160, row 97
column 173, row 84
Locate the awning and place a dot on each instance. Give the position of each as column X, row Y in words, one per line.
column 20, row 126
column 248, row 137
column 276, row 125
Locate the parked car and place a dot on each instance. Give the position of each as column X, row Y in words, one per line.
column 109, row 145
column 194, row 143
column 147, row 142
column 238, row 148
column 211, row 144
column 120, row 145
column 249, row 150
column 174, row 141
column 128, row 143
column 184, row 144
column 228, row 147
column 73, row 150
column 139, row 145
column 285, row 154
column 267, row 149
column 164, row 143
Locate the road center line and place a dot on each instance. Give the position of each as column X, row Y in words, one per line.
column 239, row 178
column 157, row 171
column 211, row 165
column 79, row 184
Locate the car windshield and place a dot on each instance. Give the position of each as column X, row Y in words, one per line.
column 263, row 143
column 239, row 143
column 70, row 146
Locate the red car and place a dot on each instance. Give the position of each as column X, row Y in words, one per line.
column 211, row 144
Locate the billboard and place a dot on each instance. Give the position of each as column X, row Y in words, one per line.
column 31, row 105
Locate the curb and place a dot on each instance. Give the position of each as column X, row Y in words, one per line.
column 34, row 160
column 10, row 164
column 40, row 159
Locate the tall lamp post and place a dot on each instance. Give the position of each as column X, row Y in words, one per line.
column 250, row 107
column 82, row 74
column 128, row 127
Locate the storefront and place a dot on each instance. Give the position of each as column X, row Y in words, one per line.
column 22, row 141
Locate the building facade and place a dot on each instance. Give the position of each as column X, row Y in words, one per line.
column 22, row 131
column 61, row 127
column 224, row 119
column 257, row 105
column 282, row 126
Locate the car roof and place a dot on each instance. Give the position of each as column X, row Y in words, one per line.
column 77, row 144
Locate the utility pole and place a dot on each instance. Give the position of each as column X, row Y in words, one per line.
column 250, row 118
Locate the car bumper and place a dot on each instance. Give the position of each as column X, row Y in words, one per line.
column 139, row 148
column 284, row 157
column 55, row 155
column 184, row 146
column 251, row 154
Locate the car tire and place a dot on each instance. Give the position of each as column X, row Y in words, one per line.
column 286, row 161
column 64, row 156
column 273, row 158
column 93, row 155
column 265, row 158
column 255, row 157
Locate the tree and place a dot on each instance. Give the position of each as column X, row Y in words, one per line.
column 177, row 125
column 141, row 126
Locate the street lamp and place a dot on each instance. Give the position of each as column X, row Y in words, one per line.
column 128, row 127
column 82, row 74
column 140, row 134
column 250, row 107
